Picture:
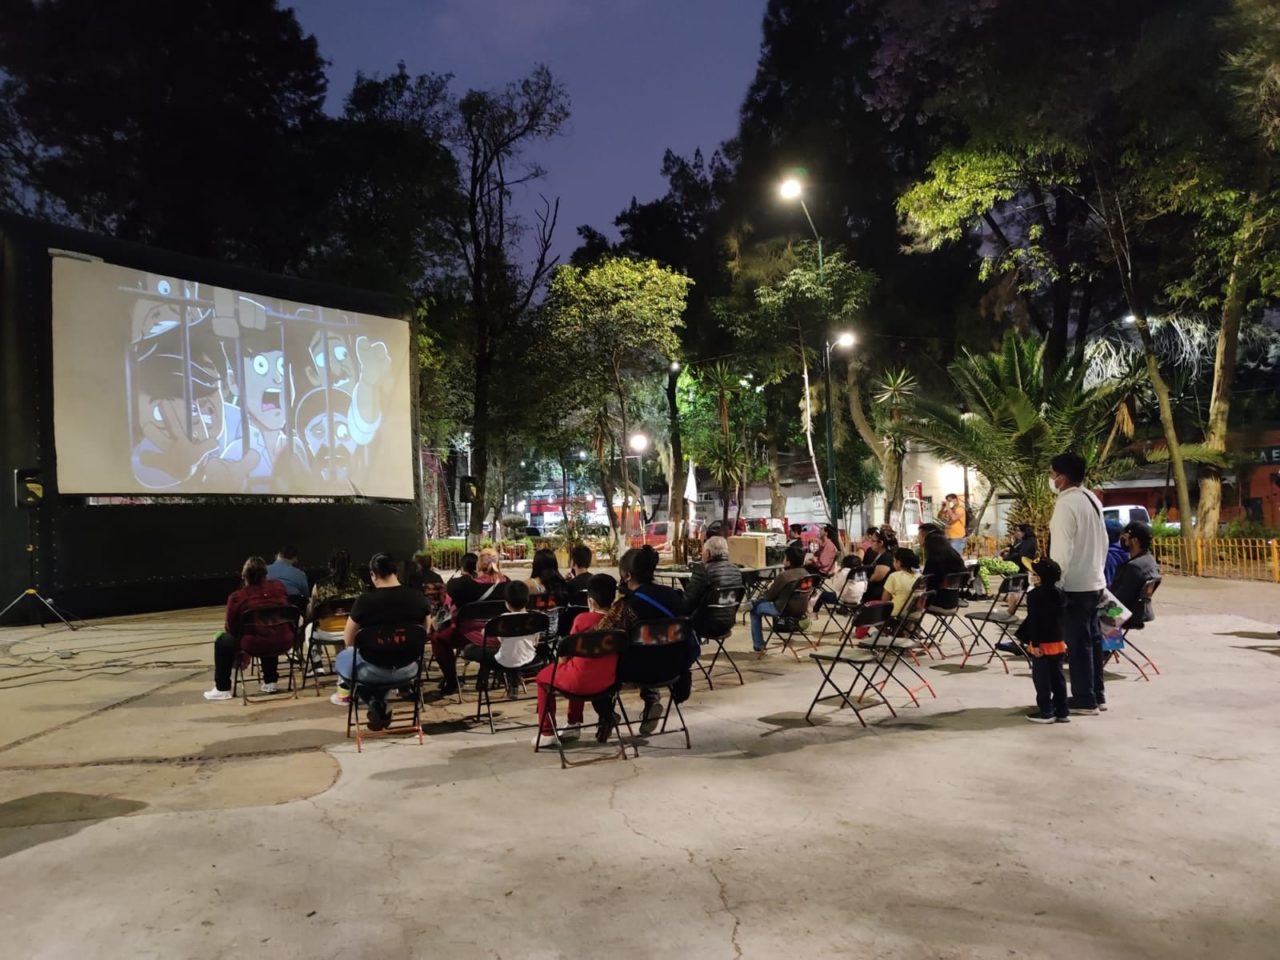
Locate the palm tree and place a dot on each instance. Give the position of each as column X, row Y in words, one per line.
column 727, row 462
column 1013, row 418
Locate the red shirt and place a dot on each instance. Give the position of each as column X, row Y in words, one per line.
column 580, row 674
column 269, row 593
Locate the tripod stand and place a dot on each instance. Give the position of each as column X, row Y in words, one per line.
column 31, row 591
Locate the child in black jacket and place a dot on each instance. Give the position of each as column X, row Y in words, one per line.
column 1041, row 632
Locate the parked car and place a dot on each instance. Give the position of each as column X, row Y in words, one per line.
column 657, row 534
column 1126, row 513
column 774, row 529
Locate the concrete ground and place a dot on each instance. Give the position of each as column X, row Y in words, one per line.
column 137, row 820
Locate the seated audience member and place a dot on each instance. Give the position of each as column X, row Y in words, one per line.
column 824, row 552
column 899, row 584
column 579, row 569
column 797, row 537
column 576, row 674
column 793, row 571
column 709, row 578
column 426, row 565
column 510, row 653
column 1116, row 552
column 389, row 603
column 479, row 580
column 257, row 592
column 881, row 564
column 643, row 600
column 1132, row 575
column 940, row 561
column 544, row 577
column 1022, row 543
column 340, row 584
column 285, row 570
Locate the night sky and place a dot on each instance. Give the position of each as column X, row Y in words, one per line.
column 643, row 75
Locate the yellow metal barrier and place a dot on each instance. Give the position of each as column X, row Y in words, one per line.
column 1232, row 559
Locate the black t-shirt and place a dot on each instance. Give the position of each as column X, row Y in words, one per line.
column 937, row 568
column 640, row 664
column 385, row 606
column 577, row 583
column 875, row 591
column 466, row 589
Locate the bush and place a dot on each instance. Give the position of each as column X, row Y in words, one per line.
column 1249, row 530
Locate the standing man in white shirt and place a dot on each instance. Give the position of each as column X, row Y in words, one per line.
column 1078, row 544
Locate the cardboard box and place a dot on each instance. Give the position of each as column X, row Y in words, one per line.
column 747, row 550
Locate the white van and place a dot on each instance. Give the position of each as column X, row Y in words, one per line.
column 1126, row 513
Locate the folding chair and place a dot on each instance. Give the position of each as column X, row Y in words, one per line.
column 577, row 599
column 333, row 612
column 794, row 604
column 944, row 609
column 894, row 647
column 979, row 621
column 1148, row 592
column 267, row 632
column 656, row 647
column 848, row 654
column 526, row 624
column 756, row 583
column 717, row 621
column 567, row 616
column 549, row 604
column 476, row 614
column 846, row 608
column 591, row 646
column 390, row 647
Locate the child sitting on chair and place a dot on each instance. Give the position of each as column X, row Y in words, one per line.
column 1041, row 632
column 899, row 584
column 512, row 653
column 586, row 676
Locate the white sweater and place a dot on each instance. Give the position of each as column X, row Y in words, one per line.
column 1078, row 540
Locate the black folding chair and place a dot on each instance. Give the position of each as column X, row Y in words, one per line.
column 505, row 627
column 849, row 655
column 1148, row 592
column 655, row 649
column 945, row 609
column 895, row 644
column 476, row 614
column 593, row 645
column 578, row 598
column 267, row 633
column 840, row 612
column 389, row 647
column 794, row 604
column 549, row 604
column 980, row 620
column 567, row 616
column 330, row 610
column 714, row 623
column 756, row 583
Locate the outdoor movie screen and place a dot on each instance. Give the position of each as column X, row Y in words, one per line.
column 166, row 385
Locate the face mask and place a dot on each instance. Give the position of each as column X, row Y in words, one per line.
column 1053, row 487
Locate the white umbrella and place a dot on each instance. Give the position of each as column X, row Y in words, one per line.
column 691, row 492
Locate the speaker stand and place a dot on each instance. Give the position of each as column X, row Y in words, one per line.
column 31, row 578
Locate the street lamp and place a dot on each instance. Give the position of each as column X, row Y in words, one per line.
column 640, row 443
column 790, row 189
column 845, row 340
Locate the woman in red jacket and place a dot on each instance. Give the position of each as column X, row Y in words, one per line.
column 257, row 592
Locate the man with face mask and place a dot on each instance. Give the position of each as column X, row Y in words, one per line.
column 1078, row 544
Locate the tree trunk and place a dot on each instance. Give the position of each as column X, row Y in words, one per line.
column 480, row 423
column 853, row 379
column 1224, row 369
column 777, row 499
column 892, row 483
column 1083, row 316
column 808, row 431
column 625, row 525
column 1176, row 464
column 675, row 509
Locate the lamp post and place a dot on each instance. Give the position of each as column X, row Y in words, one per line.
column 640, row 443
column 845, row 340
column 791, row 189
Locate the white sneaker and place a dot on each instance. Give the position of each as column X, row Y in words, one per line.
column 216, row 694
column 546, row 740
column 571, row 732
column 340, row 698
column 269, row 688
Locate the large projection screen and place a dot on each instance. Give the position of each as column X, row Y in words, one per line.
column 163, row 385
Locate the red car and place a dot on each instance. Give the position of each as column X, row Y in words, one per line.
column 657, row 534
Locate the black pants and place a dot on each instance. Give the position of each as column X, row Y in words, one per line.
column 1083, row 635
column 487, row 657
column 225, row 650
column 1051, row 685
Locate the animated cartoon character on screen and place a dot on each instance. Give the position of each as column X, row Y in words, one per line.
column 173, row 383
column 333, row 453
column 361, row 374
column 260, row 385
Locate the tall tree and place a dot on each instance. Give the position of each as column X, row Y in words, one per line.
column 490, row 132
column 181, row 125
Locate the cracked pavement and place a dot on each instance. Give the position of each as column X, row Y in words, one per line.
column 174, row 828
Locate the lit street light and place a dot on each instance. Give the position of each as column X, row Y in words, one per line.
column 640, row 443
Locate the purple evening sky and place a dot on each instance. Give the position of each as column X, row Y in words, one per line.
column 643, row 75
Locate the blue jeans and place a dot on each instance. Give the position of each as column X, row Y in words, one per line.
column 368, row 673
column 958, row 545
column 759, row 610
